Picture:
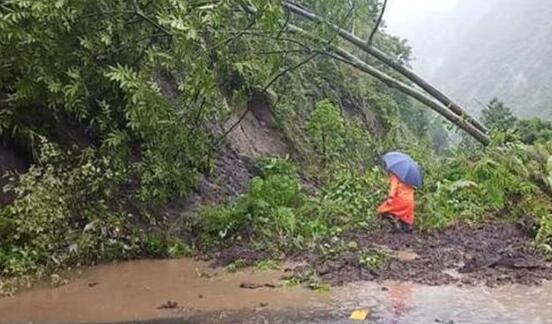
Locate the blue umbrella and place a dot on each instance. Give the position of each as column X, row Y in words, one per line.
column 404, row 167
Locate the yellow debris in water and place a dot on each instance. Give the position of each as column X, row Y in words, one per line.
column 359, row 314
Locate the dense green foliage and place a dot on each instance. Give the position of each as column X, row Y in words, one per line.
column 502, row 183
column 499, row 117
column 120, row 103
column 326, row 128
column 273, row 211
column 82, row 89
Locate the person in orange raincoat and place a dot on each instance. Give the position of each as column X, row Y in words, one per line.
column 399, row 205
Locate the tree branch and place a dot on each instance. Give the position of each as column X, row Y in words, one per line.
column 153, row 23
column 284, row 25
column 279, row 52
column 136, row 12
column 286, row 39
column 289, row 69
column 266, row 87
column 279, row 75
column 235, row 36
column 197, row 118
column 378, row 22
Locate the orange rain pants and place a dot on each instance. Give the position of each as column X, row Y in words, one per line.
column 400, row 202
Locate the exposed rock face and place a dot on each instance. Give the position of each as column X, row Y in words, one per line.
column 257, row 134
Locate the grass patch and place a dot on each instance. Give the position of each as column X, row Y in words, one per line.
column 266, row 265
column 373, row 259
column 235, row 266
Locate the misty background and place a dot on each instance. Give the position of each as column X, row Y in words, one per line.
column 476, row 50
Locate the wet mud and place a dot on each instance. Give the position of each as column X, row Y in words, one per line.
column 492, row 254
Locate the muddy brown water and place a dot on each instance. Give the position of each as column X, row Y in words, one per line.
column 133, row 292
column 136, row 290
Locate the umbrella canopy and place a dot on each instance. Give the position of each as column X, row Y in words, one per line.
column 404, row 167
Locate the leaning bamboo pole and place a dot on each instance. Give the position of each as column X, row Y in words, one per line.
column 423, row 98
column 384, row 58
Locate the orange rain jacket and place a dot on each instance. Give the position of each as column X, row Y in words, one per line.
column 400, row 202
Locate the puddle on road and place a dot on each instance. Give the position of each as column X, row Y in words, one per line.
column 407, row 303
column 411, row 303
column 134, row 290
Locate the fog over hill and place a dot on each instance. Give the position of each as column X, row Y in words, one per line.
column 476, row 50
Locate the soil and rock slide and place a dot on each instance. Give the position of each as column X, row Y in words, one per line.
column 492, row 254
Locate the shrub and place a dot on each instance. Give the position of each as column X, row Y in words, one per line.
column 269, row 209
column 70, row 209
column 326, row 128
column 62, row 213
column 503, row 182
column 274, row 210
column 350, row 196
column 498, row 117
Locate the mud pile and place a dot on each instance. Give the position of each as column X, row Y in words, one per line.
column 492, row 254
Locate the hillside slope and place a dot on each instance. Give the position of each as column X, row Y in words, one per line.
column 477, row 50
column 507, row 53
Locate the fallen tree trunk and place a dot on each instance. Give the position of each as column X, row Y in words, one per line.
column 368, row 48
column 435, row 105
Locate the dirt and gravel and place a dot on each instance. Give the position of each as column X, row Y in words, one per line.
column 492, row 254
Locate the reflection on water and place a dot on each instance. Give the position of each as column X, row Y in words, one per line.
column 400, row 301
column 134, row 290
column 410, row 303
column 407, row 303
